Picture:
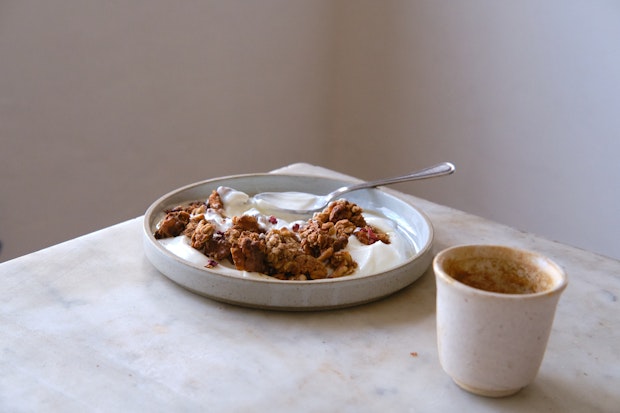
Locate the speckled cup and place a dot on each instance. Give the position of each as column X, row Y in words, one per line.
column 495, row 309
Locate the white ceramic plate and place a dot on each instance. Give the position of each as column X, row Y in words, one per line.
column 264, row 292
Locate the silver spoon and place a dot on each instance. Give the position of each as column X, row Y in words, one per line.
column 311, row 203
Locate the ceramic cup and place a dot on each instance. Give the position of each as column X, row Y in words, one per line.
column 495, row 308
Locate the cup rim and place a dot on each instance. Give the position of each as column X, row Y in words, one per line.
column 560, row 274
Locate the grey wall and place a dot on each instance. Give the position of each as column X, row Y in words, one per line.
column 523, row 96
column 105, row 106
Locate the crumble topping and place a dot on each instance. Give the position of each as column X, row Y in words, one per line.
column 304, row 251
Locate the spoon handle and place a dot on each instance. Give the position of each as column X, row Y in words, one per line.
column 444, row 168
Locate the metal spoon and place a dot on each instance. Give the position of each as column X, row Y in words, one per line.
column 310, row 203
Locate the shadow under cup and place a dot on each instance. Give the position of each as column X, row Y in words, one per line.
column 495, row 309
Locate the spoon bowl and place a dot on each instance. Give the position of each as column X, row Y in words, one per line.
column 304, row 203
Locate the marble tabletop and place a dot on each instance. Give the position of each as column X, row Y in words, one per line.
column 91, row 325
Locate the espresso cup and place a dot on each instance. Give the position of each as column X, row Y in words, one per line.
column 495, row 309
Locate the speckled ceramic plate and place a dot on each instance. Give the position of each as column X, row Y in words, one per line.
column 265, row 292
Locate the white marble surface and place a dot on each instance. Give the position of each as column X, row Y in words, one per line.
column 90, row 325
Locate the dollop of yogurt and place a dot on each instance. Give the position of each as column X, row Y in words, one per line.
column 288, row 200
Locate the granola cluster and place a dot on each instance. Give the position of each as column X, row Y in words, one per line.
column 314, row 250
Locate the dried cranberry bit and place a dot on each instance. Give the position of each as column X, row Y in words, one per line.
column 370, row 234
column 296, row 227
column 211, row 264
column 273, row 220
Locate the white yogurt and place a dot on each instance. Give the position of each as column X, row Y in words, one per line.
column 378, row 257
column 289, row 200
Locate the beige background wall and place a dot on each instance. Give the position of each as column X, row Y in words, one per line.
column 104, row 106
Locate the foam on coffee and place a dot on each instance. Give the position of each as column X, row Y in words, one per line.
column 507, row 275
